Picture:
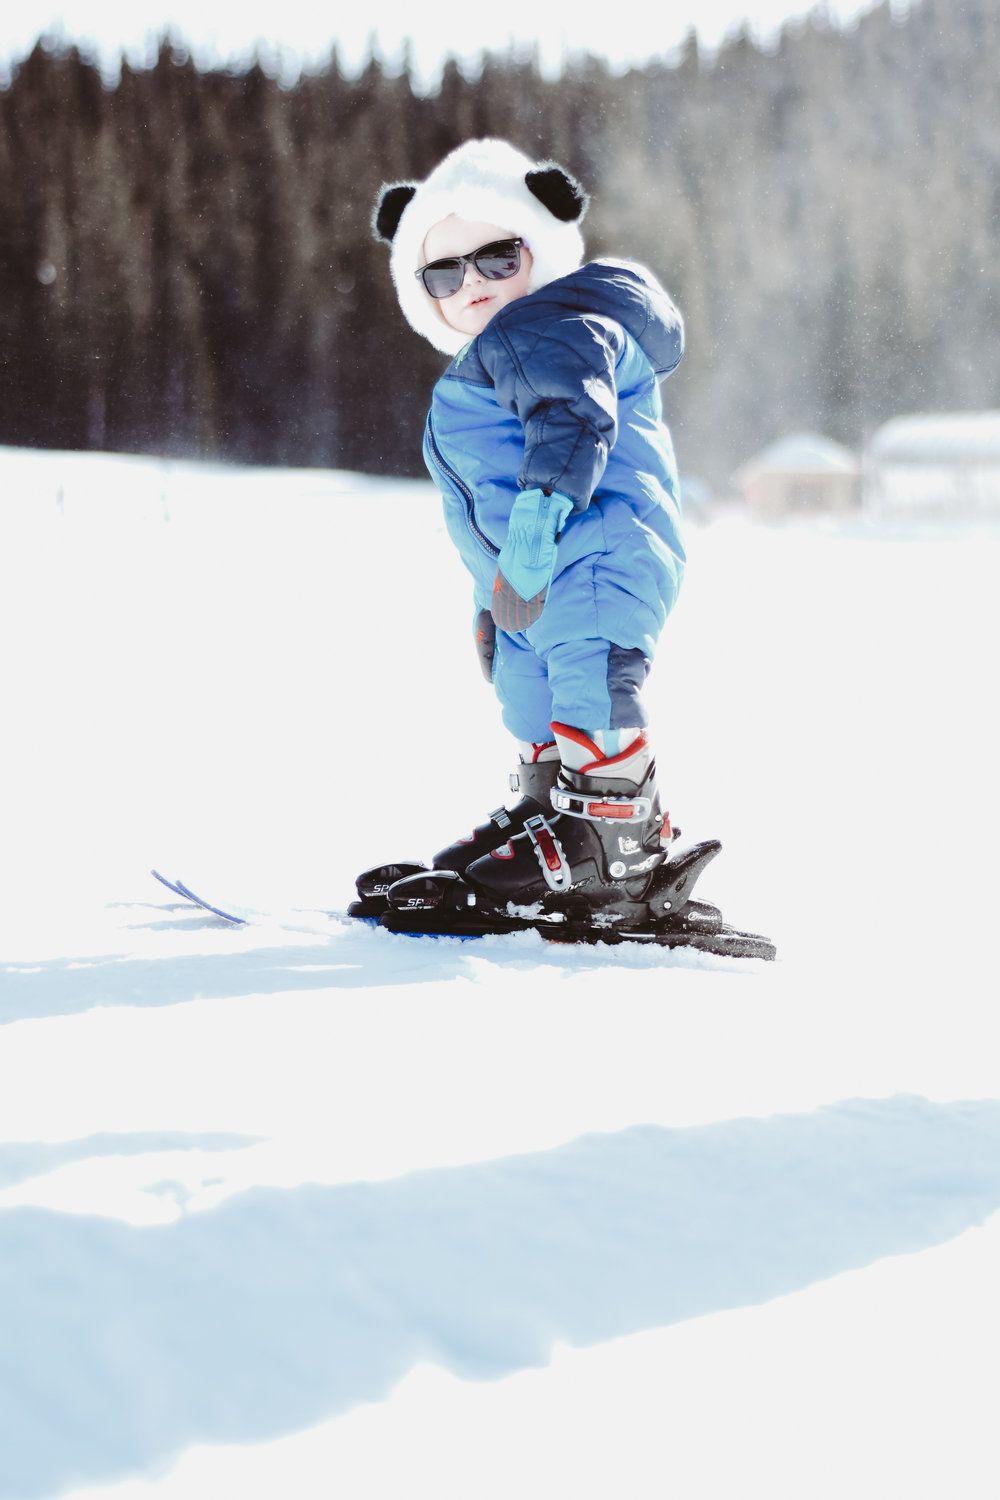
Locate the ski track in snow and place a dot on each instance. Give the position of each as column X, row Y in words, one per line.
column 305, row 1206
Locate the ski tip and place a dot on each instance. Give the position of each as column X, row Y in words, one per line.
column 187, row 894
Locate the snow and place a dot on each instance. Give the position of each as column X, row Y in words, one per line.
column 304, row 1207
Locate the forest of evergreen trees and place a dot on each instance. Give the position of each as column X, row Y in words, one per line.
column 186, row 264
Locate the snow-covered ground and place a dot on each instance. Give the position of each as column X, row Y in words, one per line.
column 306, row 1208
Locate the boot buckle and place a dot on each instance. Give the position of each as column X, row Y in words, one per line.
column 549, row 853
column 601, row 808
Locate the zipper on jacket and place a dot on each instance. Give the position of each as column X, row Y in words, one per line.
column 464, row 491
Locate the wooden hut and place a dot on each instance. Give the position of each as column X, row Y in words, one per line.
column 800, row 473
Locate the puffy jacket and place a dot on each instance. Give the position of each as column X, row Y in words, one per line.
column 560, row 390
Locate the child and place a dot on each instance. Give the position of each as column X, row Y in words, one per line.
column 546, row 439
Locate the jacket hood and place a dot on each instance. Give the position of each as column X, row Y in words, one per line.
column 620, row 289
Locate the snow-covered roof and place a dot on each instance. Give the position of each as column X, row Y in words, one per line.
column 801, row 453
column 938, row 437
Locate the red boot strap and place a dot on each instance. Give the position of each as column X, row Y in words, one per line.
column 577, row 736
column 639, row 743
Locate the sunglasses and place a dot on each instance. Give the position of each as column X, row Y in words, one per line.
column 496, row 261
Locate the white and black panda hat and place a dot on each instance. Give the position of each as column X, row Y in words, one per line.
column 487, row 180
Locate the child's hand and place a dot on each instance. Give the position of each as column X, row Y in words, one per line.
column 528, row 558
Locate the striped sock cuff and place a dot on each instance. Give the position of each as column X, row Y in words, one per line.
column 625, row 753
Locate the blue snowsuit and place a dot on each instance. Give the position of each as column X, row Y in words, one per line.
column 560, row 390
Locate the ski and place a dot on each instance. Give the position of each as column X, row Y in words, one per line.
column 710, row 935
column 289, row 920
column 180, row 889
column 441, row 903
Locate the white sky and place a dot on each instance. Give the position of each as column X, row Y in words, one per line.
column 302, row 30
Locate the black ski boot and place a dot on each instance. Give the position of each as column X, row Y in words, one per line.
column 534, row 781
column 596, row 866
column 596, row 869
column 594, row 850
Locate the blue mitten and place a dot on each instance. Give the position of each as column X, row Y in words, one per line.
column 528, row 558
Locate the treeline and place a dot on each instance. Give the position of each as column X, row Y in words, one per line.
column 186, row 264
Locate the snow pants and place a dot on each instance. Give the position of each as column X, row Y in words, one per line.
column 585, row 659
column 591, row 684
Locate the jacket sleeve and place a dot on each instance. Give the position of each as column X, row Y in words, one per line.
column 557, row 373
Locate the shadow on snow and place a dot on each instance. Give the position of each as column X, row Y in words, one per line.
column 280, row 1308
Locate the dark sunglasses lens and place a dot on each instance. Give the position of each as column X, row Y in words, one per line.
column 498, row 261
column 444, row 278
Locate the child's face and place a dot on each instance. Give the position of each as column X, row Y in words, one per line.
column 470, row 308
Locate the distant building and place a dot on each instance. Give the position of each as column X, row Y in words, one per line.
column 804, row 472
column 947, row 464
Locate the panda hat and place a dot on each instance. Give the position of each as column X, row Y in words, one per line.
column 490, row 181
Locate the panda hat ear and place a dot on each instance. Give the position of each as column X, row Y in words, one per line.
column 558, row 190
column 389, row 208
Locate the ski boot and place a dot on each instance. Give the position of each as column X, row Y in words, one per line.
column 593, row 851
column 533, row 779
column 599, row 828
column 597, row 867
